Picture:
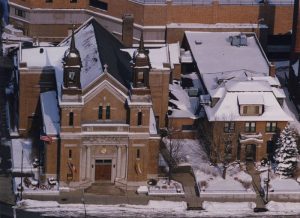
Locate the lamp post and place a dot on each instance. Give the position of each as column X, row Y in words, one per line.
column 267, row 181
column 21, row 188
column 83, row 202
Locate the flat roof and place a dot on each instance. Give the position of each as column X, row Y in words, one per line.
column 213, row 53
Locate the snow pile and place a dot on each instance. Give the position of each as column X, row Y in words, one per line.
column 31, row 204
column 166, row 187
column 166, row 205
column 228, row 207
column 153, row 209
column 284, row 207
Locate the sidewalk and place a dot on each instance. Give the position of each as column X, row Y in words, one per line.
column 260, row 203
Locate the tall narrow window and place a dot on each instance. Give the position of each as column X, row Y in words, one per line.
column 271, row 126
column 229, row 127
column 107, row 112
column 138, row 153
column 140, row 116
column 100, row 109
column 250, row 127
column 70, row 154
column 71, row 119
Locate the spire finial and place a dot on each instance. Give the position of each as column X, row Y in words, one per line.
column 141, row 46
column 72, row 46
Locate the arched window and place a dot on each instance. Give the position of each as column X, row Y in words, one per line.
column 100, row 114
column 71, row 119
column 140, row 117
column 107, row 112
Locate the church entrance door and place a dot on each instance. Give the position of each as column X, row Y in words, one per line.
column 103, row 169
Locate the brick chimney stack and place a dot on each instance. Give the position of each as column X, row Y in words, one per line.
column 127, row 30
column 272, row 70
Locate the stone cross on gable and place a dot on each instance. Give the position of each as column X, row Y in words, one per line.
column 105, row 68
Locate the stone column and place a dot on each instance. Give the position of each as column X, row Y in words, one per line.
column 88, row 162
column 119, row 165
column 82, row 163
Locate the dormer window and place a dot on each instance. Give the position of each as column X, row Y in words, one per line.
column 248, row 110
column 250, row 104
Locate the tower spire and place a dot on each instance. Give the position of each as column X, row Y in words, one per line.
column 72, row 45
column 141, row 45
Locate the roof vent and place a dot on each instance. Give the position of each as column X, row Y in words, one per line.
column 239, row 40
column 41, row 50
column 198, row 42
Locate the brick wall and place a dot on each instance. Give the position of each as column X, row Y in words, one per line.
column 219, row 136
column 277, row 17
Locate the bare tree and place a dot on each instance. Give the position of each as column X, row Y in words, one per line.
column 174, row 148
column 222, row 146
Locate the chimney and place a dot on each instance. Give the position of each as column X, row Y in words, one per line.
column 127, row 30
column 272, row 70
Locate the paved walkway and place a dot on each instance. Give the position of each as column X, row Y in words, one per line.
column 185, row 177
column 260, row 203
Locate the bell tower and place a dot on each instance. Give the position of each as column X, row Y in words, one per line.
column 71, row 87
column 141, row 66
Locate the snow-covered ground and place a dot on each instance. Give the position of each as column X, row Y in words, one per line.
column 277, row 184
column 157, row 209
column 25, row 146
column 209, row 177
column 18, row 146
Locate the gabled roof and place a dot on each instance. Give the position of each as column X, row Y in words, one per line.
column 227, row 108
column 98, row 47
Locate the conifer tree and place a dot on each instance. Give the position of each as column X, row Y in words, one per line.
column 286, row 153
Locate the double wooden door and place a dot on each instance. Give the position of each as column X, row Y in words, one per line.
column 103, row 169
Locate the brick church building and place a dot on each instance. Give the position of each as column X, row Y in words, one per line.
column 97, row 105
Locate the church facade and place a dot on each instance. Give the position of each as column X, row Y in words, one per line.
column 99, row 113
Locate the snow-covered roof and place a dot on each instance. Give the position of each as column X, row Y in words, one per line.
column 50, row 112
column 241, row 87
column 185, row 106
column 250, row 98
column 227, row 108
column 247, row 86
column 17, row 146
column 216, row 26
column 239, row 81
column 295, row 67
column 85, row 42
column 152, row 123
column 167, row 54
column 214, row 53
column 43, row 56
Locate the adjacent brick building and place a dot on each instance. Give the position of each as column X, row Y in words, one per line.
column 155, row 19
column 241, row 96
